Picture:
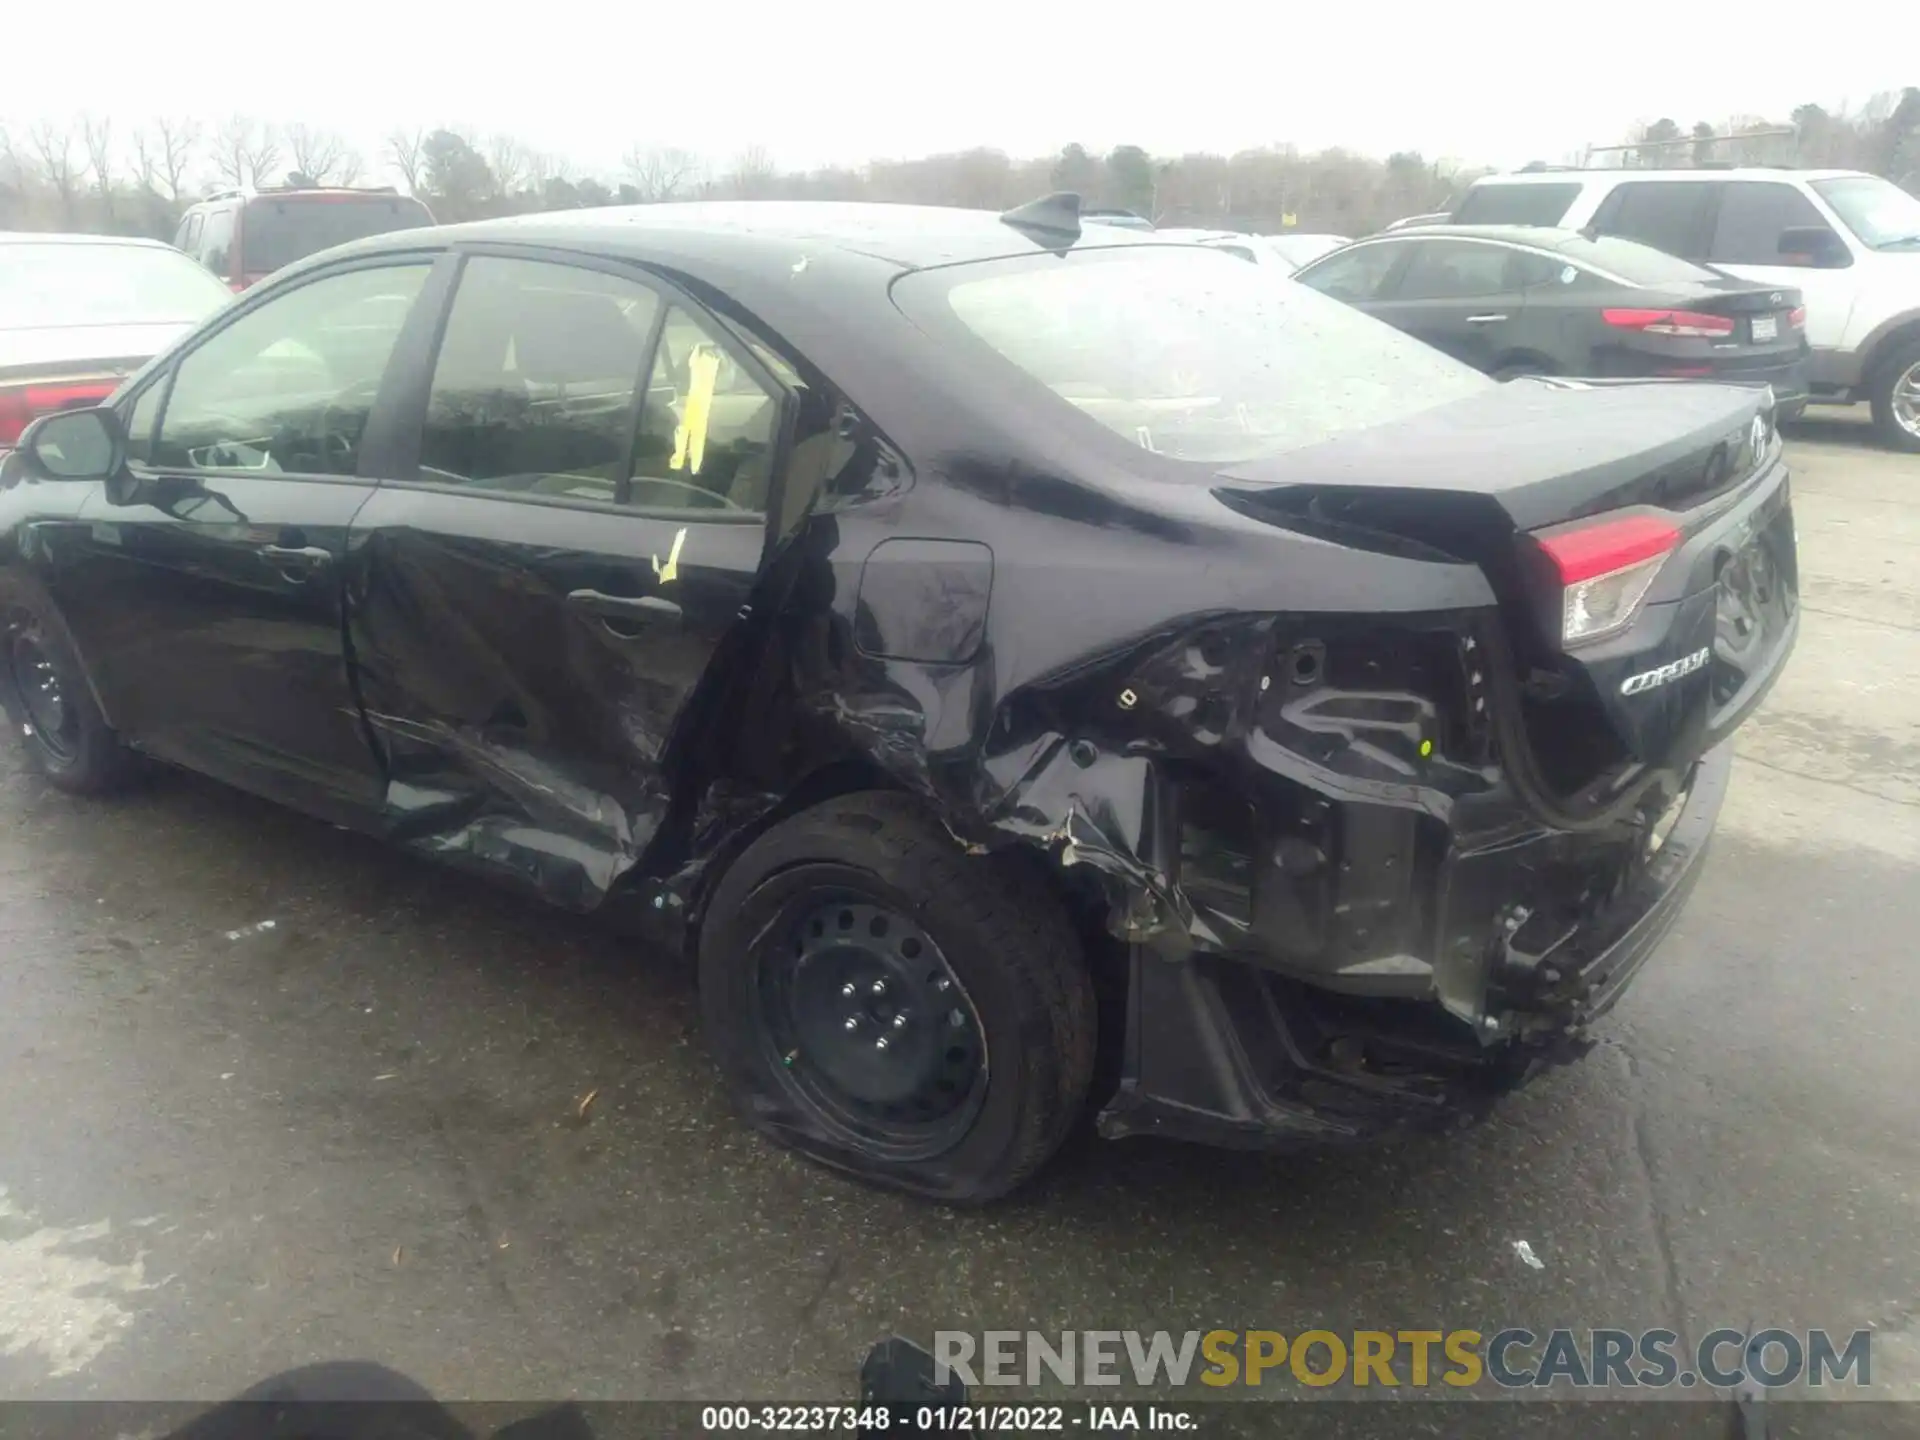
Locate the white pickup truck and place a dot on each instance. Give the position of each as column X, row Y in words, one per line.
column 1849, row 242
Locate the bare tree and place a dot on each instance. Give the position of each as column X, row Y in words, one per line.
column 232, row 141
column 263, row 156
column 245, row 152
column 544, row 167
column 96, row 137
column 316, row 154
column 52, row 147
column 509, row 161
column 13, row 167
column 753, row 173
column 660, row 172
column 406, row 151
column 173, row 147
column 350, row 169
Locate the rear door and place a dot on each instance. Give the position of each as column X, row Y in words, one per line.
column 210, row 611
column 1460, row 296
column 1752, row 216
column 543, row 584
column 1671, row 215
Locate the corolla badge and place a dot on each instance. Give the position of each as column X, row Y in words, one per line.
column 1650, row 679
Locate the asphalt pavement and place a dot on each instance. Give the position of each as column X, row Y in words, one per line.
column 270, row 1093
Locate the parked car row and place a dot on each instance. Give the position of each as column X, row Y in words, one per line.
column 986, row 643
column 1848, row 242
column 1512, row 300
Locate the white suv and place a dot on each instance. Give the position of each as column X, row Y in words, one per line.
column 1849, row 242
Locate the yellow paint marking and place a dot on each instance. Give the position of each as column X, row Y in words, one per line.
column 690, row 436
column 671, row 570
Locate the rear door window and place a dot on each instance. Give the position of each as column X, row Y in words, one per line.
column 1753, row 213
column 281, row 230
column 1456, row 269
column 709, row 431
column 1518, row 204
column 1675, row 216
column 216, row 243
column 1354, row 275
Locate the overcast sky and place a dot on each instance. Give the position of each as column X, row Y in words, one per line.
column 1483, row 81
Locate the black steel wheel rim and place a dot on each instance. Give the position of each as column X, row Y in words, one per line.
column 37, row 682
column 873, row 1032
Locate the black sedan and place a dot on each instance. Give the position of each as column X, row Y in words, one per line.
column 1520, row 300
column 1025, row 666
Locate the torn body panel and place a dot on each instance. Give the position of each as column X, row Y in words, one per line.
column 1343, row 913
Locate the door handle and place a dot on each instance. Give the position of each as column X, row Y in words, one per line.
column 1484, row 319
column 296, row 557
column 624, row 607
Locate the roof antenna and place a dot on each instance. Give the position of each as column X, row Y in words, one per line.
column 1055, row 215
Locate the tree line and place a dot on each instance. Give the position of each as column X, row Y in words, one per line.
column 97, row 174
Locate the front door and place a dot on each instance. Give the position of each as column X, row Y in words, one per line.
column 536, row 598
column 210, row 609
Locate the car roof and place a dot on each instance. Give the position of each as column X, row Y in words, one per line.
column 38, row 237
column 1742, row 172
column 816, row 275
column 1540, row 237
column 770, row 233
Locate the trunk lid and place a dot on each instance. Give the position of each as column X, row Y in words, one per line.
column 1542, row 451
column 1523, row 473
column 1763, row 316
column 72, row 349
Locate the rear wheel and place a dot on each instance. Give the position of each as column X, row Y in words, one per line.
column 61, row 729
column 1895, row 393
column 889, row 1005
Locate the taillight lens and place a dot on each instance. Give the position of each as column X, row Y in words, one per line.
column 1605, row 570
column 21, row 405
column 1797, row 317
column 1670, row 322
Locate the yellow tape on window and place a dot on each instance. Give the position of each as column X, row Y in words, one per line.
column 690, row 436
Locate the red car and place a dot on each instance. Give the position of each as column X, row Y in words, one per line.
column 243, row 236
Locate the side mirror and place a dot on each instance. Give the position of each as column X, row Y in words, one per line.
column 1814, row 246
column 75, row 445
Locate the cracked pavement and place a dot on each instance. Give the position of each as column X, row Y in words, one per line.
column 357, row 1132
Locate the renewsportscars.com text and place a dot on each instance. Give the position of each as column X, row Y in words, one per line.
column 1512, row 1358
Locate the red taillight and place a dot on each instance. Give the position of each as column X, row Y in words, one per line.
column 1797, row 317
column 1605, row 570
column 238, row 285
column 1670, row 322
column 21, row 405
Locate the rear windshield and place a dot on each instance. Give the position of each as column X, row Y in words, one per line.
column 73, row 283
column 1516, row 204
column 1633, row 262
column 278, row 232
column 1189, row 352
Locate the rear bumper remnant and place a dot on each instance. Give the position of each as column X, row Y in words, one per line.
column 1225, row 1052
